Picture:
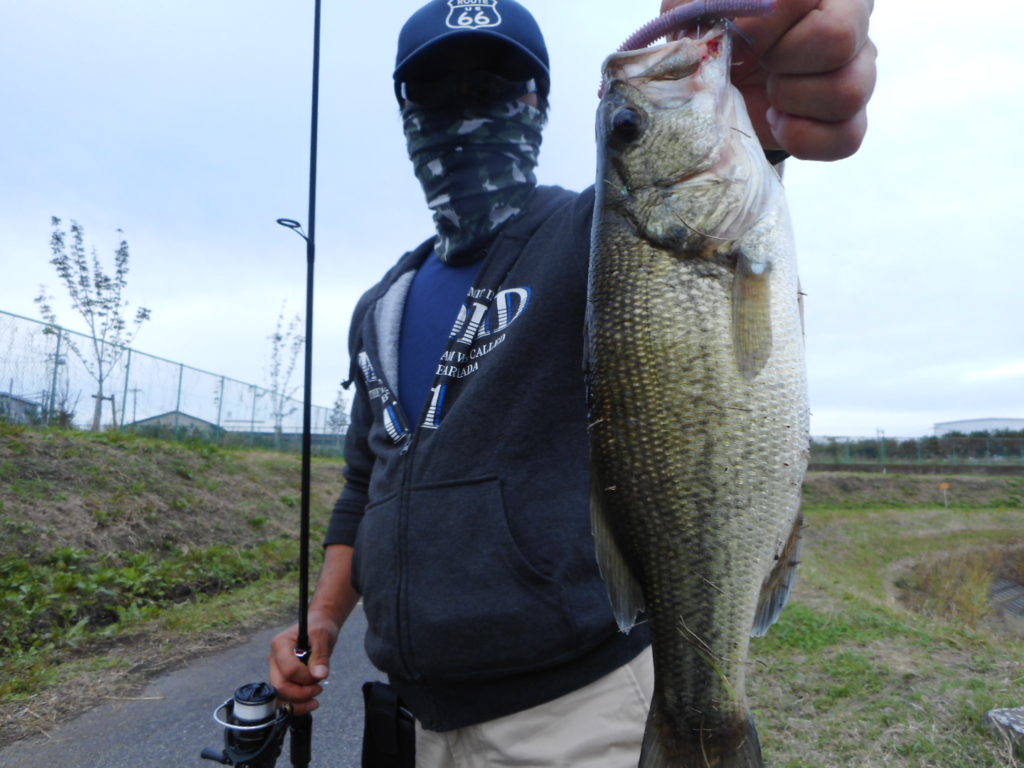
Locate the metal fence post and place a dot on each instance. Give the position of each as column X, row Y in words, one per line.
column 220, row 401
column 177, row 405
column 53, row 380
column 127, row 373
column 252, row 421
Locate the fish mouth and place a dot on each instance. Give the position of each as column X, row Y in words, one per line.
column 666, row 72
column 712, row 185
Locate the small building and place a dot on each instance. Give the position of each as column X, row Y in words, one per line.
column 967, row 426
column 177, row 423
column 19, row 410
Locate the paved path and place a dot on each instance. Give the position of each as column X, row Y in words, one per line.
column 170, row 722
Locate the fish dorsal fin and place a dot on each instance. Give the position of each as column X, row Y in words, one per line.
column 777, row 587
column 623, row 589
column 751, row 315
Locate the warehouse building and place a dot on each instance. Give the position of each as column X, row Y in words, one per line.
column 967, row 426
column 18, row 410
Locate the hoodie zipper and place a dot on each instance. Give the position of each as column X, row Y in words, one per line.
column 405, row 659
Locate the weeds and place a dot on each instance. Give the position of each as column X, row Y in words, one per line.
column 71, row 593
column 958, row 585
column 955, row 586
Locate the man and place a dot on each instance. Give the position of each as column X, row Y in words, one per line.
column 464, row 521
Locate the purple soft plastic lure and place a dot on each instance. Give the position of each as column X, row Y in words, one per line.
column 684, row 16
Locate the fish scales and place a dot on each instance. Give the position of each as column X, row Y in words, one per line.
column 697, row 390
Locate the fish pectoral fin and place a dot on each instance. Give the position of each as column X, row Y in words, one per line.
column 777, row 587
column 623, row 589
column 751, row 316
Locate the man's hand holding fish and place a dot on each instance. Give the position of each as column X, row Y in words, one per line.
column 806, row 73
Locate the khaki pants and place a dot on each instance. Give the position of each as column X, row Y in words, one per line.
column 599, row 726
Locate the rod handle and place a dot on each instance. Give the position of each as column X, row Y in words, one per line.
column 301, row 740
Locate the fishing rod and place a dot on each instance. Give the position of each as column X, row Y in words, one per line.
column 254, row 726
column 302, row 725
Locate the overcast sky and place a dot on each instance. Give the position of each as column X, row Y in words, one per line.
column 185, row 124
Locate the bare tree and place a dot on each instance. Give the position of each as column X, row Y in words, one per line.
column 338, row 418
column 61, row 401
column 99, row 298
column 285, row 347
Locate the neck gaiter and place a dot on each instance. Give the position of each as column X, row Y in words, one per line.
column 475, row 164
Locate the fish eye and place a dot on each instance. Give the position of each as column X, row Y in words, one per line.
column 626, row 124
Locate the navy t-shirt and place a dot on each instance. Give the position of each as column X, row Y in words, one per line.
column 437, row 293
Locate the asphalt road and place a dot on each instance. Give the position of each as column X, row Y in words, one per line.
column 169, row 723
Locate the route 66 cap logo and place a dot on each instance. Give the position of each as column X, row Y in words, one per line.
column 473, row 14
column 439, row 22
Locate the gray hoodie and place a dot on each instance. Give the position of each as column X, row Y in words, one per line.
column 471, row 527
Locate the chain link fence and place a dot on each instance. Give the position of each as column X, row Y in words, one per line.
column 44, row 381
column 993, row 451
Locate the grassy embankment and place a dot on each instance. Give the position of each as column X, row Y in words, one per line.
column 120, row 557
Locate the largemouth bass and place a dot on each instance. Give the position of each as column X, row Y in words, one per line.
column 695, row 373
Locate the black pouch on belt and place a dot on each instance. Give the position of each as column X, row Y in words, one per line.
column 389, row 731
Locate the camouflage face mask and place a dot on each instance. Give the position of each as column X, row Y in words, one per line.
column 475, row 164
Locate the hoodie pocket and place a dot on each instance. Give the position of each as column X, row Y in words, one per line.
column 473, row 603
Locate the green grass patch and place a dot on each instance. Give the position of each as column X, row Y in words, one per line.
column 72, row 593
column 176, row 630
column 807, row 630
column 856, row 674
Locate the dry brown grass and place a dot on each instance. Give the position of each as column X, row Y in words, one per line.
column 957, row 585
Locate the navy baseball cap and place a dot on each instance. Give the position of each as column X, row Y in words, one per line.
column 442, row 25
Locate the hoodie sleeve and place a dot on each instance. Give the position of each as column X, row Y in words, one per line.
column 349, row 508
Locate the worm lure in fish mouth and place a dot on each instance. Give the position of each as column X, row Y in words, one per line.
column 686, row 16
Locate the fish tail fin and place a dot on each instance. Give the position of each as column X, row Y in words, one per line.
column 735, row 748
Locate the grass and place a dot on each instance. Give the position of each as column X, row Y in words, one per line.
column 957, row 586
column 56, row 684
column 856, row 674
column 73, row 593
column 119, row 552
column 884, row 657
